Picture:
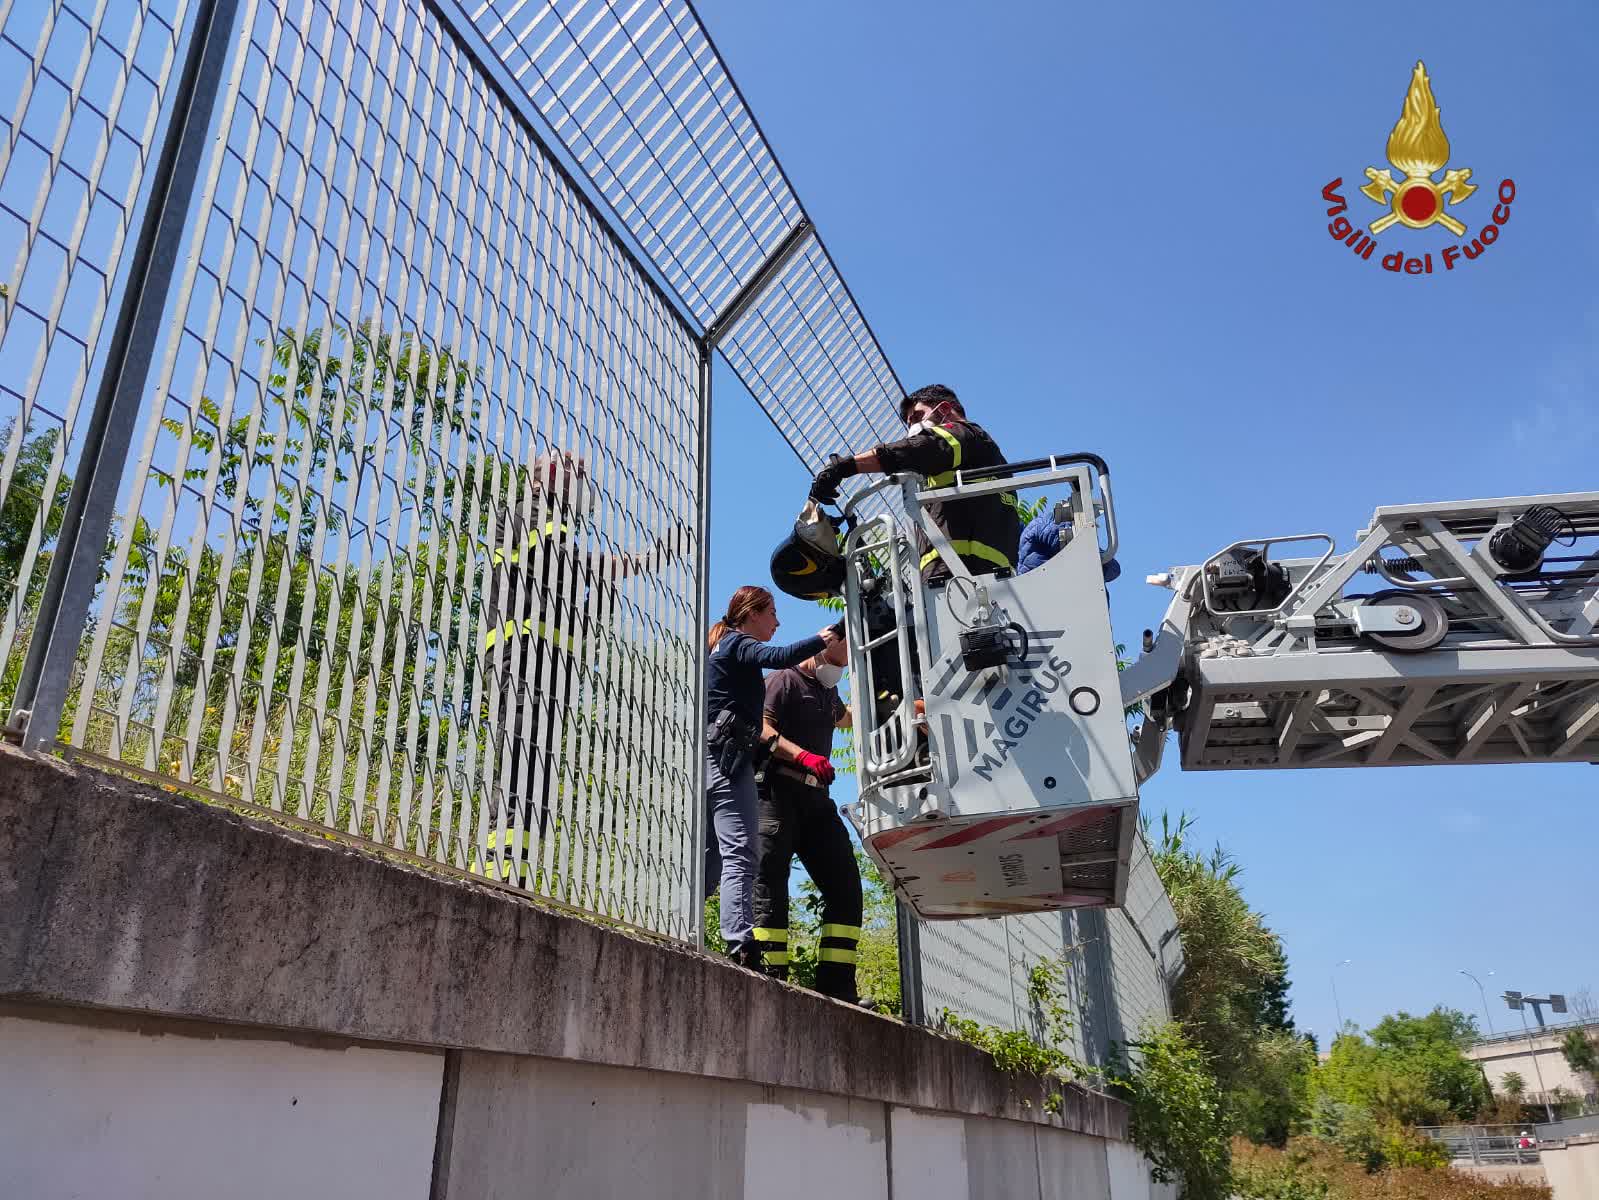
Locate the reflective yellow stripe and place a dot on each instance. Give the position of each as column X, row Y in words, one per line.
column 944, row 478
column 829, row 954
column 852, row 932
column 771, row 935
column 968, row 549
column 526, row 626
column 775, row 958
column 512, row 842
column 532, row 539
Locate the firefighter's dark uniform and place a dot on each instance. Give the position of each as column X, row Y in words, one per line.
column 984, row 530
column 797, row 817
column 536, row 602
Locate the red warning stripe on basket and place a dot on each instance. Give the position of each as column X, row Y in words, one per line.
column 972, row 833
column 895, row 836
column 1072, row 820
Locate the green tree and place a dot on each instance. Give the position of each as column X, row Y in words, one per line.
column 27, row 526
column 1178, row 1115
column 1232, row 998
column 1409, row 1070
column 1513, row 1085
column 1581, row 1054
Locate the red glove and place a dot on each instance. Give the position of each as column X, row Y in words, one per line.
column 816, row 765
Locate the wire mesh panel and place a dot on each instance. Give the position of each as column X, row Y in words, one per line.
column 405, row 545
column 805, row 352
column 83, row 88
column 639, row 95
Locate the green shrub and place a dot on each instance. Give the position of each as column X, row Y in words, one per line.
column 1178, row 1117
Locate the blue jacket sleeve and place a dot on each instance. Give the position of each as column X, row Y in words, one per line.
column 1040, row 543
column 773, row 658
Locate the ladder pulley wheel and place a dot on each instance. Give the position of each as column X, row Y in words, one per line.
column 1431, row 626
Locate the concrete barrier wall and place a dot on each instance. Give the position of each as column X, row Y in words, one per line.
column 1572, row 1168
column 90, row 1109
column 1538, row 1059
column 193, row 1005
column 140, row 1110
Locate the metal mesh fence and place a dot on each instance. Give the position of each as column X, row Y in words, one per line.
column 639, row 95
column 84, row 95
column 405, row 542
column 805, row 351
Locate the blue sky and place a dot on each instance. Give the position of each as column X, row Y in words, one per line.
column 1103, row 226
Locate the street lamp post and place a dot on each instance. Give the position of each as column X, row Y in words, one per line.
column 1517, row 1001
column 1337, row 1007
column 1484, row 996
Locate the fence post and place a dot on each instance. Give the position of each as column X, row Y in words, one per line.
column 91, row 505
column 912, row 1005
column 702, row 618
column 745, row 299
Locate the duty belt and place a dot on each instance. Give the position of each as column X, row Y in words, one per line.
column 796, row 774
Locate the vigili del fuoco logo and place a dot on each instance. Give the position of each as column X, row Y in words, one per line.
column 1418, row 148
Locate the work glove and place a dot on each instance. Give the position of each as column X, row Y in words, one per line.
column 816, row 765
column 824, row 489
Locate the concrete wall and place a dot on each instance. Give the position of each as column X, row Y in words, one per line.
column 194, row 1005
column 1530, row 1056
column 1572, row 1168
column 88, row 1109
column 140, row 1110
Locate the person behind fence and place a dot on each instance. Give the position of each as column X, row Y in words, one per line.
column 735, row 747
column 983, row 530
column 545, row 595
column 797, row 817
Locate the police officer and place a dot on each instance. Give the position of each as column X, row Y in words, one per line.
column 983, row 530
column 797, row 816
column 541, row 586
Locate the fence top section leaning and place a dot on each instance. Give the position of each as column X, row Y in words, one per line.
column 639, row 96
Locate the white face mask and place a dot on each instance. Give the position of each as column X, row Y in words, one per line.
column 828, row 675
column 938, row 416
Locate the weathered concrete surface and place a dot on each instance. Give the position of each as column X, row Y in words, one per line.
column 118, row 895
column 583, row 1131
column 103, row 1110
column 1129, row 1175
column 1536, row 1057
column 1572, row 1167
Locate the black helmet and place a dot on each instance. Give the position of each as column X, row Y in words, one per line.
column 807, row 564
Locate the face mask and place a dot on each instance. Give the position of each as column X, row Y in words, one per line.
column 938, row 416
column 828, row 675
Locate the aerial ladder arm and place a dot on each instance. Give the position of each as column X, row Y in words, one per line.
column 998, row 770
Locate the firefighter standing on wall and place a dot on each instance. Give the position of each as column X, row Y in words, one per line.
column 983, row 530
column 797, row 816
column 538, row 604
